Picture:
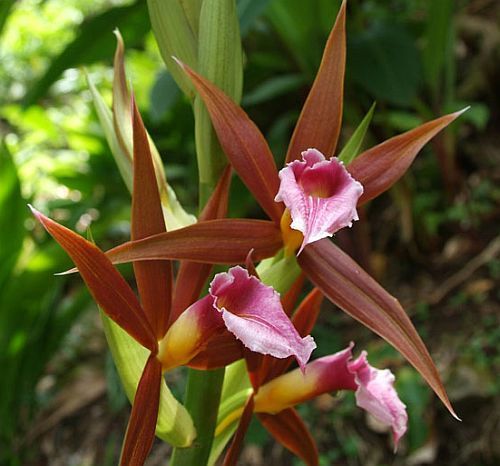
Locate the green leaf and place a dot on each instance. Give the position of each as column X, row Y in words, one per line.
column 174, row 424
column 273, row 87
column 5, row 8
column 353, row 146
column 174, row 24
column 437, row 41
column 385, row 62
column 249, row 11
column 164, row 94
column 220, row 61
column 123, row 161
column 12, row 214
column 93, row 42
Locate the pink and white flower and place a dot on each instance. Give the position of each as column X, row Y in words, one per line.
column 320, row 194
column 374, row 388
column 244, row 306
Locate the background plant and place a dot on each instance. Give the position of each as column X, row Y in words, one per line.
column 54, row 132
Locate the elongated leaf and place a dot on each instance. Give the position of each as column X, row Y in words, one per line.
column 378, row 168
column 174, row 425
column 234, row 450
column 92, row 43
column 154, row 278
column 122, row 158
column 243, row 143
column 289, row 429
column 220, row 61
column 108, row 288
column 353, row 146
column 175, row 26
column 224, row 241
column 5, row 9
column 348, row 286
column 437, row 43
column 12, row 214
column 175, row 215
column 141, row 426
column 192, row 276
column 321, row 117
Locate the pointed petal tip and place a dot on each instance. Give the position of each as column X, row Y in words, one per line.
column 179, row 62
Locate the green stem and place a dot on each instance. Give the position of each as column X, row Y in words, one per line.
column 202, row 401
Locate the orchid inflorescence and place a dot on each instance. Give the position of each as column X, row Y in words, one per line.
column 243, row 317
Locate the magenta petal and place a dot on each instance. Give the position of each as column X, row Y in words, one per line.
column 320, row 194
column 252, row 311
column 377, row 395
column 374, row 389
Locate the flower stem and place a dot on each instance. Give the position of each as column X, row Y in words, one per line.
column 202, row 401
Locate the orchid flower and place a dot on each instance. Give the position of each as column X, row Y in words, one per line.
column 238, row 305
column 320, row 195
column 373, row 388
column 340, row 279
column 276, row 392
column 315, row 198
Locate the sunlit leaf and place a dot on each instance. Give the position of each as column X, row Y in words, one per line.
column 174, row 425
column 92, row 43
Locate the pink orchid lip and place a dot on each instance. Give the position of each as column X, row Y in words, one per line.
column 320, row 194
column 244, row 306
column 374, row 388
column 253, row 313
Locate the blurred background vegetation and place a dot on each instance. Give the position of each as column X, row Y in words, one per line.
column 432, row 240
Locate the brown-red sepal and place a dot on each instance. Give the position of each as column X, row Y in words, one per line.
column 221, row 241
column 348, row 286
column 234, row 450
column 192, row 276
column 378, row 168
column 108, row 288
column 321, row 117
column 289, row 429
column 242, row 142
column 142, row 423
column 154, row 278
